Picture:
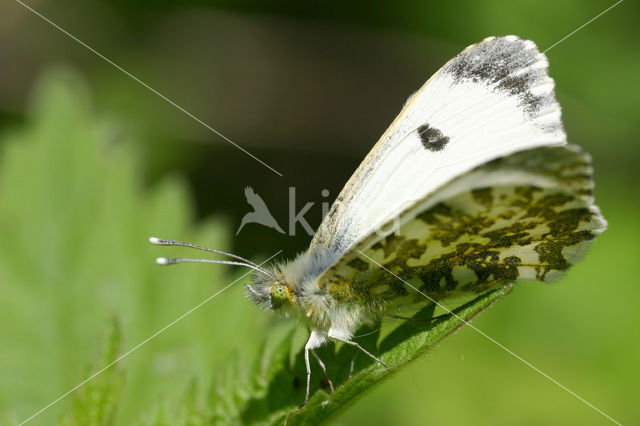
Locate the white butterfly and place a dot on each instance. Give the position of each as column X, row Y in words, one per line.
column 473, row 182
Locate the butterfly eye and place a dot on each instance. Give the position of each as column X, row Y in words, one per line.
column 279, row 295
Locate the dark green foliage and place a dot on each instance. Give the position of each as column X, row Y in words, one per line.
column 96, row 402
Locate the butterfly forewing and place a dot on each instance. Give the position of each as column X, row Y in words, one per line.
column 492, row 99
column 527, row 216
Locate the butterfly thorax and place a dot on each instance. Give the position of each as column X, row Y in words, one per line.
column 295, row 290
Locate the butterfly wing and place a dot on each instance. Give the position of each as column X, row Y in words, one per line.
column 492, row 99
column 525, row 216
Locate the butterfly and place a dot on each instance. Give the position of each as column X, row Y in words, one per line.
column 473, row 186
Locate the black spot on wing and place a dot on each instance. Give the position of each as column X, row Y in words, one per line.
column 505, row 62
column 491, row 60
column 432, row 139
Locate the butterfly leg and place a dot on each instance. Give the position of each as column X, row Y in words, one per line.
column 306, row 363
column 324, row 368
column 338, row 338
column 316, row 339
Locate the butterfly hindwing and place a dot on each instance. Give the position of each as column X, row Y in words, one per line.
column 492, row 99
column 527, row 216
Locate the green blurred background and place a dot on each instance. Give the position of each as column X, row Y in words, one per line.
column 92, row 163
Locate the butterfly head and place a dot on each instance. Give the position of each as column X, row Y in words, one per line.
column 269, row 293
column 280, row 295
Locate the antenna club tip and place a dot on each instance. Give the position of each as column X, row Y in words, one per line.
column 162, row 261
column 155, row 240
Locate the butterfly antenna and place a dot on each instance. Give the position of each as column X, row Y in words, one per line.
column 172, row 261
column 163, row 242
column 175, row 260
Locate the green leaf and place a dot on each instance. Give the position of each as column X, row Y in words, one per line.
column 75, row 218
column 278, row 385
column 96, row 402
